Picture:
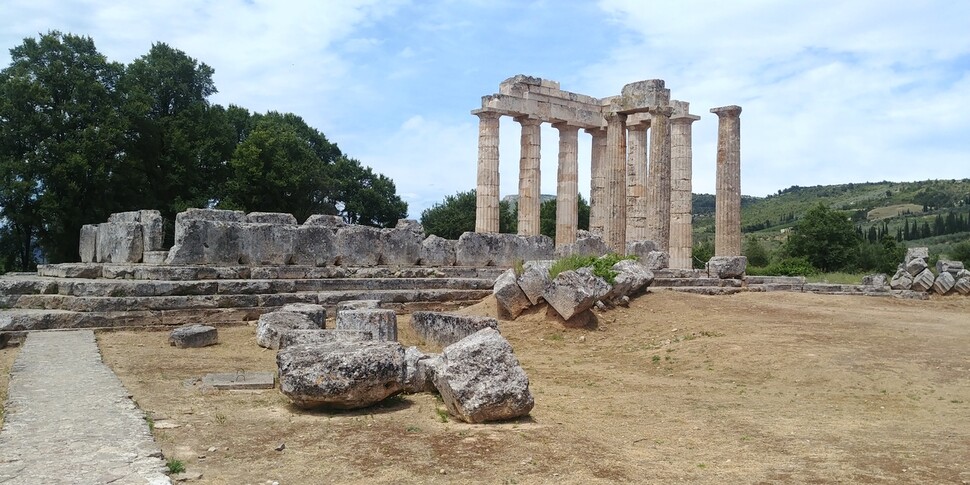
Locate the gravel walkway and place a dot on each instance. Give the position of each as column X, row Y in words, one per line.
column 69, row 420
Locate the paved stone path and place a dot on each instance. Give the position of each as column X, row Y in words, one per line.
column 69, row 420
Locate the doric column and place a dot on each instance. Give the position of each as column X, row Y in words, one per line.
column 727, row 213
column 567, row 187
column 597, row 182
column 614, row 228
column 681, row 204
column 636, row 181
column 486, row 191
column 529, row 176
column 658, row 185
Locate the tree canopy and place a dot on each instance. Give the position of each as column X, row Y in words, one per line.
column 82, row 137
column 826, row 237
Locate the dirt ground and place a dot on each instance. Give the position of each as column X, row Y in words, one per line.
column 7, row 356
column 750, row 388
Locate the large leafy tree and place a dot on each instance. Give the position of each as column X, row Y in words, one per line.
column 826, row 238
column 547, row 216
column 365, row 197
column 61, row 144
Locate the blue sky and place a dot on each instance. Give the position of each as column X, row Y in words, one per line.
column 832, row 91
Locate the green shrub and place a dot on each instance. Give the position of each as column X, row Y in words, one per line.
column 602, row 266
column 960, row 252
column 784, row 267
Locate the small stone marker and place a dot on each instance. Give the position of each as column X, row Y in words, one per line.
column 193, row 336
column 381, row 323
column 239, row 380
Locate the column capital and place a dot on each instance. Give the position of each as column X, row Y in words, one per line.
column 614, row 117
column 563, row 126
column 487, row 115
column 639, row 126
column 660, row 111
column 528, row 120
column 596, row 132
column 684, row 119
column 731, row 110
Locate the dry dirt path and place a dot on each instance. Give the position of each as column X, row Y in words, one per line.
column 68, row 419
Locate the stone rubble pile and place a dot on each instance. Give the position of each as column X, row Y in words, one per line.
column 915, row 274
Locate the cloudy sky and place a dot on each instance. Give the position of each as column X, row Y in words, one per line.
column 833, row 91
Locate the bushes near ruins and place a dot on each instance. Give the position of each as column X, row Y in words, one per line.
column 602, row 266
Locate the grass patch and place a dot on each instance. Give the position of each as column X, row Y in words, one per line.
column 175, row 465
column 602, row 266
column 836, row 278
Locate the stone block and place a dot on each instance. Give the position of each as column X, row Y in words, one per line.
column 154, row 257
column 321, row 336
column 947, row 266
column 153, row 229
column 120, row 242
column 341, row 375
column 419, row 370
column 216, row 215
column 437, row 251
column 316, row 313
column 315, row 245
column 902, row 280
column 727, row 266
column 480, row 379
column 642, row 95
column 573, row 292
column 587, row 244
column 878, row 279
column 332, row 222
column 267, row 244
column 962, row 286
column 476, row 249
column 272, row 325
column 88, row 247
column 632, row 278
column 923, row 281
column 401, row 245
column 239, row 381
column 963, row 273
column 509, row 297
column 358, row 246
column 490, row 249
column 534, row 278
column 656, row 260
column 192, row 336
column 641, row 249
column 129, row 216
column 200, row 240
column 358, row 305
column 447, row 328
column 916, row 266
column 381, row 323
column 270, row 218
column 917, row 253
column 943, row 283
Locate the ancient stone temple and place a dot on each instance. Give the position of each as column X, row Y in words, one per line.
column 640, row 166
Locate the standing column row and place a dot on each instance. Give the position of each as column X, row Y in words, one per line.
column 727, row 211
column 681, row 203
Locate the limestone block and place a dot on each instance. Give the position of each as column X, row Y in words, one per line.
column 587, row 244
column 727, row 266
column 381, row 323
column 480, row 379
column 962, row 286
column 192, row 336
column 509, row 297
column 270, row 218
column 943, row 283
column 120, row 242
column 437, row 251
column 267, row 244
column 341, row 375
column 448, row 328
column 153, row 229
column 641, row 249
column 216, row 215
column 130, row 216
column 419, row 370
column 401, row 246
column 358, row 246
column 632, row 278
column 88, row 247
column 333, row 222
column 963, row 273
column 321, row 336
column 154, row 257
column 878, row 279
column 477, row 249
column 490, row 249
column 315, row 245
column 916, row 266
column 529, row 248
column 923, row 281
column 947, row 266
column 316, row 313
column 272, row 325
column 200, row 240
column 573, row 292
column 656, row 260
column 641, row 95
column 902, row 280
column 358, row 305
column 534, row 278
column 917, row 253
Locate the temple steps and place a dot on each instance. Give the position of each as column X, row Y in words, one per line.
column 695, row 282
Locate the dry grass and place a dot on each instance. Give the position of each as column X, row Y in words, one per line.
column 752, row 388
column 893, row 211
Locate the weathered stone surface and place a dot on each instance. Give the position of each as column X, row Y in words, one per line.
column 902, row 280
column 267, row 244
column 272, row 325
column 632, row 278
column 531, row 248
column 153, row 229
column 401, row 246
column 206, row 241
column 125, row 217
column 358, row 246
column 587, row 244
column 491, row 249
column 641, row 249
column 655, row 260
column 878, row 279
column 943, row 283
column 916, row 266
column 217, row 215
column 534, row 278
column 120, row 242
column 270, row 218
column 510, row 298
column 727, row 266
column 239, row 381
column 88, row 247
column 962, row 286
column 341, row 375
column 572, row 292
column 154, row 257
column 332, row 222
column 947, row 266
column 923, row 281
column 358, row 305
column 437, row 251
column 476, row 248
column 448, row 328
column 917, row 253
column 381, row 323
column 480, row 379
column 419, row 370
column 963, row 273
column 192, row 336
column 316, row 313
column 321, row 336
column 315, row 245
